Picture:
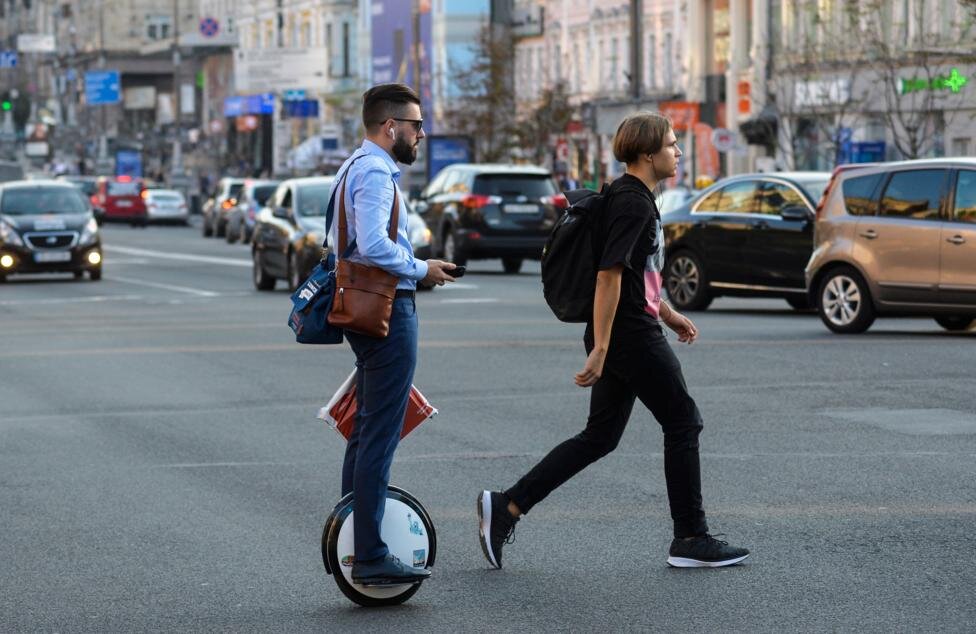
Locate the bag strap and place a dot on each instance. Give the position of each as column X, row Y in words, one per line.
column 343, row 232
column 330, row 209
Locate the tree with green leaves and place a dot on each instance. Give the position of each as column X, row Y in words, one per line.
column 546, row 120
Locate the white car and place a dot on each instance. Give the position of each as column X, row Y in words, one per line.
column 166, row 205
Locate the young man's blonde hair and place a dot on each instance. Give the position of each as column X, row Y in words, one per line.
column 640, row 133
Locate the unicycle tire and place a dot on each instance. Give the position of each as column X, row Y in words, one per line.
column 413, row 546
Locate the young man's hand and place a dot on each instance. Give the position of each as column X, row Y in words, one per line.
column 687, row 332
column 438, row 272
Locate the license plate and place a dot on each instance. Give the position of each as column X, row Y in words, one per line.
column 521, row 209
column 53, row 256
column 123, row 203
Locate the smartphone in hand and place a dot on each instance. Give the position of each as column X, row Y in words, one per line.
column 456, row 272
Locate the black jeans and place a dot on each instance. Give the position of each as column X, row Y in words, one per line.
column 636, row 367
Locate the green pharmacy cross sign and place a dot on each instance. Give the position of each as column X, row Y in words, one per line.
column 954, row 83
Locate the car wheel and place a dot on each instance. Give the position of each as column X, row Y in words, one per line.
column 798, row 303
column 220, row 228
column 512, row 265
column 956, row 324
column 294, row 273
column 243, row 236
column 95, row 274
column 207, row 228
column 232, row 233
column 262, row 281
column 686, row 283
column 844, row 302
column 451, row 253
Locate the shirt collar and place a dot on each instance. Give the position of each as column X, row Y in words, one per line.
column 369, row 147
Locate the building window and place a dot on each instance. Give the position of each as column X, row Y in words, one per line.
column 668, row 62
column 158, row 26
column 652, row 61
column 960, row 147
column 345, row 49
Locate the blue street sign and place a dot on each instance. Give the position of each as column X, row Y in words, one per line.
column 303, row 109
column 293, row 95
column 8, row 59
column 128, row 163
column 102, row 87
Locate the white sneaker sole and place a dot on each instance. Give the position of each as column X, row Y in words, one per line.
column 683, row 562
column 484, row 527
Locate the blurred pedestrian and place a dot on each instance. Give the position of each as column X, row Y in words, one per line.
column 628, row 359
column 385, row 366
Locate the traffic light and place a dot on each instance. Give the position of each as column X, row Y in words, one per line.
column 6, row 105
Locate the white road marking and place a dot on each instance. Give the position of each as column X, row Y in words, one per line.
column 111, row 261
column 461, row 286
column 166, row 287
column 185, row 257
column 71, row 300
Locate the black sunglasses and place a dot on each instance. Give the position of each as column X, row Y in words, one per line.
column 418, row 124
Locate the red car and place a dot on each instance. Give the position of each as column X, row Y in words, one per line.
column 122, row 198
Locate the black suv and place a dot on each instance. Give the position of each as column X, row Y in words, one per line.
column 491, row 211
column 748, row 235
column 47, row 226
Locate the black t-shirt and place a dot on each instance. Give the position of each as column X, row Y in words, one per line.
column 628, row 233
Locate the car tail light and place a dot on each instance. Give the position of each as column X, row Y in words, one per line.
column 475, row 201
column 145, row 194
column 558, row 201
column 227, row 204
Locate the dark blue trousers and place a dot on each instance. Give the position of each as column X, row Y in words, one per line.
column 384, row 375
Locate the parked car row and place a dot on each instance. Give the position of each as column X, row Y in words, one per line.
column 868, row 240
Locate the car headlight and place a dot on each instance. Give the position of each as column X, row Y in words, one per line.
column 9, row 236
column 419, row 235
column 89, row 233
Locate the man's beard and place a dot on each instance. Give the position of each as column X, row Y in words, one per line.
column 404, row 152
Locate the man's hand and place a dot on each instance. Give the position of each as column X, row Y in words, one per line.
column 687, row 332
column 438, row 272
column 593, row 368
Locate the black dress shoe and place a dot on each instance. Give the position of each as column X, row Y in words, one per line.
column 386, row 571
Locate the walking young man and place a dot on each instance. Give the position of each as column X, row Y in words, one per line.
column 385, row 366
column 628, row 358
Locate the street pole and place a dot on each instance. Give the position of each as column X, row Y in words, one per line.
column 636, row 50
column 102, row 138
column 177, row 166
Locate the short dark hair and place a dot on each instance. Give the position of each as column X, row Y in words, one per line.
column 386, row 101
column 640, row 133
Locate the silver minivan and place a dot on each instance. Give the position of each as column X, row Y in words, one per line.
column 896, row 239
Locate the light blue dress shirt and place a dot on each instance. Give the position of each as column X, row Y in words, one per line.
column 369, row 202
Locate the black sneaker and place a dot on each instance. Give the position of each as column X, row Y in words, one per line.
column 496, row 527
column 704, row 552
column 387, row 571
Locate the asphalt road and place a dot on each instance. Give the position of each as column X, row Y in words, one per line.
column 162, row 469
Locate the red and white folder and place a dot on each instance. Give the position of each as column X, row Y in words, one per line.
column 340, row 411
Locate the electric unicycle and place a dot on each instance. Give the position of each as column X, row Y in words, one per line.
column 407, row 531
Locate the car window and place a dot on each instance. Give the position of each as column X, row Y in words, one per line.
column 235, row 190
column 739, row 198
column 436, row 186
column 127, row 188
column 815, row 189
column 507, row 185
column 313, row 200
column 42, row 200
column 915, row 194
column 285, row 198
column 261, row 193
column 861, row 194
column 710, row 203
column 775, row 196
column 965, row 207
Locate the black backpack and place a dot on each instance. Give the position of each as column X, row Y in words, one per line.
column 569, row 259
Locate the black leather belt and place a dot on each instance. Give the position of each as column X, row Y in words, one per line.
column 402, row 293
